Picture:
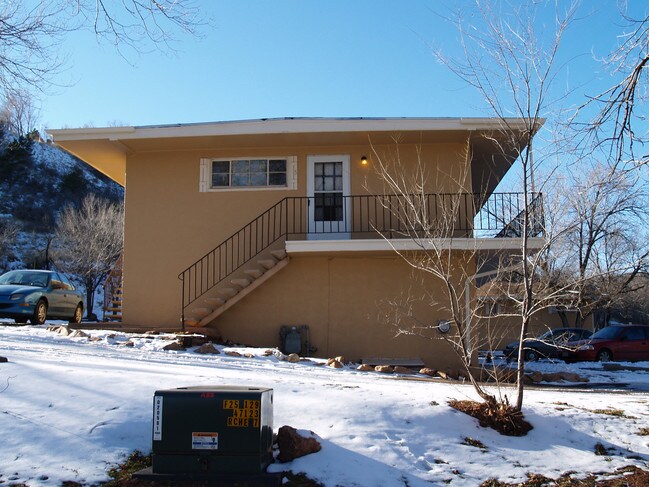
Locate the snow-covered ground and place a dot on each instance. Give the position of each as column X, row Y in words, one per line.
column 73, row 407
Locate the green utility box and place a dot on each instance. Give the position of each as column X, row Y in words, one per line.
column 212, row 430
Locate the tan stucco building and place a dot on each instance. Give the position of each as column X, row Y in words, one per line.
column 245, row 227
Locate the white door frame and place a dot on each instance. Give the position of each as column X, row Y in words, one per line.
column 313, row 226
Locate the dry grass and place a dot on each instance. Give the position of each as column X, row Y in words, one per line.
column 500, row 417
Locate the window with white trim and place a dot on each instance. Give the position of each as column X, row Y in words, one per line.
column 492, row 308
column 248, row 173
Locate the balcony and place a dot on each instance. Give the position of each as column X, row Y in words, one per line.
column 379, row 222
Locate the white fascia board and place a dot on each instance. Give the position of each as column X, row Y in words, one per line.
column 284, row 126
column 382, row 245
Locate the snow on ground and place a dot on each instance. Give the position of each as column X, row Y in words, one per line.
column 74, row 407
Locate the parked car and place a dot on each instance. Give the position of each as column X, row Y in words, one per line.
column 548, row 345
column 34, row 295
column 615, row 342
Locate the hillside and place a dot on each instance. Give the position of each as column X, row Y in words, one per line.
column 37, row 180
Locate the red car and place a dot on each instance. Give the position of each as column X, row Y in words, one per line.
column 616, row 342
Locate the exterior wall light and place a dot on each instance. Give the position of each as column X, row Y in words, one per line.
column 444, row 326
column 364, row 161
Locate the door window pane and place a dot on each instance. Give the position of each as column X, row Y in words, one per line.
column 328, row 207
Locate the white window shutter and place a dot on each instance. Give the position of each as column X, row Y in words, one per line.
column 203, row 185
column 292, row 171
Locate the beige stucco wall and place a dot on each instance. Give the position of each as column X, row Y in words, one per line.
column 169, row 224
column 349, row 304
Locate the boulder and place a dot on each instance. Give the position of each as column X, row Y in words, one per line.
column 207, row 348
column 173, row 346
column 128, row 344
column 198, row 340
column 335, row 364
column 428, row 372
column 293, row 445
column 63, row 330
column 279, row 355
column 549, row 377
column 341, row 359
column 78, row 334
column 572, row 377
column 398, row 369
column 3, row 360
column 384, row 369
column 293, row 358
column 232, row 353
column 536, row 377
column 365, row 368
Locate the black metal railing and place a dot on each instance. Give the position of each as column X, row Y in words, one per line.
column 335, row 216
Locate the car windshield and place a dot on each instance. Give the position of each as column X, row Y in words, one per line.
column 546, row 336
column 25, row 278
column 608, row 332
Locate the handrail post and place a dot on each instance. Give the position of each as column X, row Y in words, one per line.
column 182, row 312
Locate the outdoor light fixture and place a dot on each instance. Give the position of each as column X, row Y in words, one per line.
column 364, row 161
column 444, row 326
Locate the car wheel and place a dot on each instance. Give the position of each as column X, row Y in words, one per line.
column 40, row 313
column 604, row 355
column 531, row 355
column 78, row 314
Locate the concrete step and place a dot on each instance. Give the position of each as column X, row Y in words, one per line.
column 267, row 263
column 254, row 273
column 214, row 302
column 243, row 282
column 279, row 254
column 200, row 312
column 228, row 292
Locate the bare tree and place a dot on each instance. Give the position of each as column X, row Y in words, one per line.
column 89, row 241
column 619, row 108
column 510, row 60
column 19, row 112
column 31, row 32
column 8, row 233
column 444, row 274
column 603, row 245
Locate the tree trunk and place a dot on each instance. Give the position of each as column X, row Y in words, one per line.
column 90, row 296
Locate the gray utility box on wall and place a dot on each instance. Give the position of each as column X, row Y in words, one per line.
column 212, row 430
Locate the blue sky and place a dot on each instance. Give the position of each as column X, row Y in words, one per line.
column 336, row 58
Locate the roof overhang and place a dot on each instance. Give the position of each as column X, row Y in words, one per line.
column 107, row 149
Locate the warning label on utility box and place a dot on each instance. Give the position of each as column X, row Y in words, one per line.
column 157, row 418
column 205, row 441
column 242, row 417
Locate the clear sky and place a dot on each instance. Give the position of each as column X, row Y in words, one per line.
column 334, row 58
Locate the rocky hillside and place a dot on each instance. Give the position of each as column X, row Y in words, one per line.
column 37, row 180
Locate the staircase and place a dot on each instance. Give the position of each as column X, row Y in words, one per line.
column 113, row 293
column 255, row 253
column 225, row 295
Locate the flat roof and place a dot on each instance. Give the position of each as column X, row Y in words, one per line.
column 288, row 125
column 107, row 148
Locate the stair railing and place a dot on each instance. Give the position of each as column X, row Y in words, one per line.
column 392, row 216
